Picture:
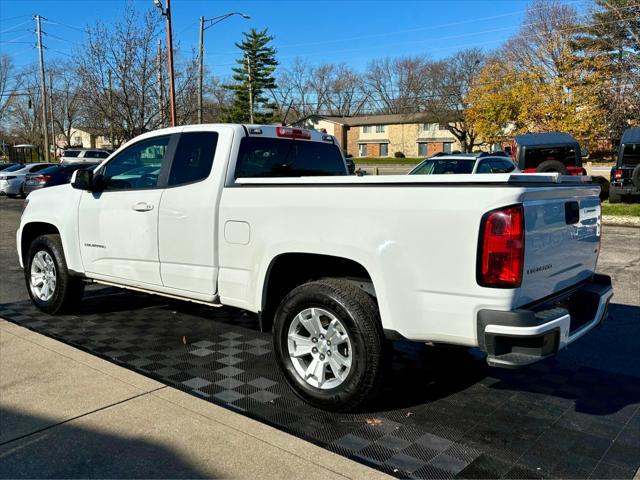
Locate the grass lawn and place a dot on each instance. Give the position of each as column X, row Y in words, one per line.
column 630, row 209
column 386, row 161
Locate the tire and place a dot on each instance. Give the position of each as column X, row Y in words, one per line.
column 614, row 197
column 46, row 257
column 358, row 318
column 604, row 186
column 552, row 166
column 635, row 177
column 22, row 194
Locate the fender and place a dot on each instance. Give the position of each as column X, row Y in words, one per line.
column 58, row 207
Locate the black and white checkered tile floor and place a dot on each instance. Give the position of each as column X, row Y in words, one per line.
column 444, row 414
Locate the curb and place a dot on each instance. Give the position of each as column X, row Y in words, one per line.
column 621, row 221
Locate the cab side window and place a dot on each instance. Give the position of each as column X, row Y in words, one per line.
column 193, row 159
column 484, row 167
column 138, row 166
column 502, row 166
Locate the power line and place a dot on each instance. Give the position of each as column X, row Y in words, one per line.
column 14, row 18
column 14, row 27
column 73, row 27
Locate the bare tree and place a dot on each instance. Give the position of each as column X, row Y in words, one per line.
column 347, row 93
column 450, row 81
column 24, row 117
column 544, row 40
column 217, row 99
column 68, row 108
column 7, row 88
column 396, row 85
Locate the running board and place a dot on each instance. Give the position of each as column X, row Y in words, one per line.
column 215, row 303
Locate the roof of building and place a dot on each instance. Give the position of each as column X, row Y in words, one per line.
column 549, row 138
column 388, row 119
column 631, row 135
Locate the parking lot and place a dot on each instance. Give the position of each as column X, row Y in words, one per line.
column 444, row 412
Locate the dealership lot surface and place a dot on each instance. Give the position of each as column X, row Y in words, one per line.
column 445, row 413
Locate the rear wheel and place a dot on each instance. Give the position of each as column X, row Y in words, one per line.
column 50, row 286
column 635, row 177
column 552, row 166
column 614, row 197
column 329, row 343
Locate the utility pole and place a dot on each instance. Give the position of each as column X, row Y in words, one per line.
column 160, row 99
column 250, row 91
column 53, row 130
column 172, row 90
column 200, row 61
column 211, row 22
column 43, row 93
column 110, row 107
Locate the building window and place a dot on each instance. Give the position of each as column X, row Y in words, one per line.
column 384, row 150
column 447, row 147
column 366, row 129
column 429, row 127
column 379, row 128
column 422, row 149
column 363, row 150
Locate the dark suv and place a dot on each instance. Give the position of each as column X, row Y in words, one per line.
column 548, row 152
column 625, row 176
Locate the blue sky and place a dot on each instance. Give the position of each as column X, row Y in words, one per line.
column 354, row 32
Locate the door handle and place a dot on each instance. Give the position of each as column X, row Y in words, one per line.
column 142, row 207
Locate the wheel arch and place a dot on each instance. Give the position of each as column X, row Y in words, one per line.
column 289, row 270
column 31, row 231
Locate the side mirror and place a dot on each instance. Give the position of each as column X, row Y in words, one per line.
column 82, row 179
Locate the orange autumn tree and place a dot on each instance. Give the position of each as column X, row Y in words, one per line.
column 533, row 85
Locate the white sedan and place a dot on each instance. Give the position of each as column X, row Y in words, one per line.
column 12, row 179
column 464, row 163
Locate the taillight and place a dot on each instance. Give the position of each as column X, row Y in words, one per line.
column 617, row 174
column 501, row 249
column 576, row 171
column 41, row 178
column 288, row 132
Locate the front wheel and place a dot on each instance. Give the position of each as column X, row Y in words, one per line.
column 50, row 286
column 329, row 343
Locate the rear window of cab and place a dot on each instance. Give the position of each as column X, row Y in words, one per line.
column 277, row 157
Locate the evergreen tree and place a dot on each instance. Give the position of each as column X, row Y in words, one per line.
column 253, row 77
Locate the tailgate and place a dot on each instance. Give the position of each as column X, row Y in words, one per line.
column 562, row 239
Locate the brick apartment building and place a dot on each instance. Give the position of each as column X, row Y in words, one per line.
column 415, row 135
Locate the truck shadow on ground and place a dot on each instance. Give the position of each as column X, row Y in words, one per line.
column 34, row 446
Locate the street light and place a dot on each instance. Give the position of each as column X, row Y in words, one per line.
column 172, row 92
column 203, row 27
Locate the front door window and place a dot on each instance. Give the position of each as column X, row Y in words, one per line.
column 139, row 166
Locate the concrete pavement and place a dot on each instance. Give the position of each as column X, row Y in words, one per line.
column 67, row 414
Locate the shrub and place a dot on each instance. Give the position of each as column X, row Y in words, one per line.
column 399, row 155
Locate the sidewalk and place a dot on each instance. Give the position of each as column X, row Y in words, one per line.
column 65, row 413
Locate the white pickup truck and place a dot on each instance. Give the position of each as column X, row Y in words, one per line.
column 266, row 219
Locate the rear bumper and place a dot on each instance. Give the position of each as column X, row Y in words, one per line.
column 10, row 187
column 624, row 189
column 523, row 336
